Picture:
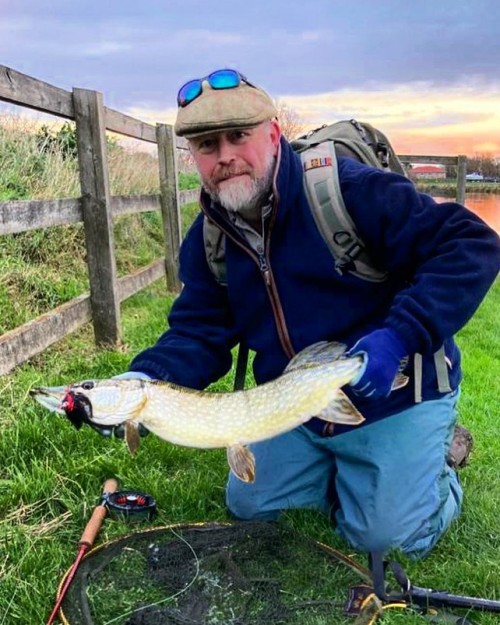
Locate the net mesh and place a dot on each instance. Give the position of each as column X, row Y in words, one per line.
column 252, row 573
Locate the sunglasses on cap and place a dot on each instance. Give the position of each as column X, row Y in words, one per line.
column 220, row 79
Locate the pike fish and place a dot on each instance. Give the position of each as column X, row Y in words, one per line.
column 309, row 386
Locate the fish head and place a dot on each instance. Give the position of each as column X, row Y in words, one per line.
column 98, row 403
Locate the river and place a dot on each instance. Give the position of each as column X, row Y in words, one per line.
column 486, row 205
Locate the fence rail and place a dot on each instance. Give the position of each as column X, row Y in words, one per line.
column 460, row 162
column 95, row 208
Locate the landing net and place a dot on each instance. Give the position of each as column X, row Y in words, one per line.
column 251, row 573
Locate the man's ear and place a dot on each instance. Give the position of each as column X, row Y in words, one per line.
column 275, row 133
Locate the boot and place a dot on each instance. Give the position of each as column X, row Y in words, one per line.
column 460, row 448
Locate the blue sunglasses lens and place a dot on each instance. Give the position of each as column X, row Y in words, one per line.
column 189, row 92
column 224, row 79
column 220, row 79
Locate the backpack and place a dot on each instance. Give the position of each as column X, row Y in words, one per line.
column 318, row 152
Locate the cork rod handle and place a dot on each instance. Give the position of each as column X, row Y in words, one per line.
column 94, row 524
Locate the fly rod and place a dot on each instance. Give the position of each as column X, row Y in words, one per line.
column 86, row 541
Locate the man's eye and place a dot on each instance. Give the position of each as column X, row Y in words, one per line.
column 206, row 146
column 238, row 136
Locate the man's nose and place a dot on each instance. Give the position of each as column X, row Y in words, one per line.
column 226, row 151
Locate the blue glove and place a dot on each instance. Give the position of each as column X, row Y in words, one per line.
column 119, row 430
column 383, row 351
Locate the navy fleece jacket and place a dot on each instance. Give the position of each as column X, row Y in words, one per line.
column 440, row 257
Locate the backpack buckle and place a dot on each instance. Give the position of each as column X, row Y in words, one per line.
column 346, row 263
column 382, row 153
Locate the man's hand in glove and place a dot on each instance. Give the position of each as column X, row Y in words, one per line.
column 383, row 351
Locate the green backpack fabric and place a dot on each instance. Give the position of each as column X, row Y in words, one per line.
column 318, row 151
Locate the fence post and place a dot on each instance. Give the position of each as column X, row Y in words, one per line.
column 461, row 173
column 97, row 219
column 169, row 200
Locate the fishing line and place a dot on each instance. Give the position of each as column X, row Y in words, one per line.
column 167, row 599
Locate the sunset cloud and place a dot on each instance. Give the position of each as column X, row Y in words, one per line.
column 425, row 72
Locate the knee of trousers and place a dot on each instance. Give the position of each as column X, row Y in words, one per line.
column 243, row 503
column 380, row 535
column 414, row 537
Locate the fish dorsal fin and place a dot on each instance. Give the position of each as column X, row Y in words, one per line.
column 341, row 410
column 322, row 352
column 242, row 462
column 132, row 437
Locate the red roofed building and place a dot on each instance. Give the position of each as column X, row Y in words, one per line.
column 427, row 171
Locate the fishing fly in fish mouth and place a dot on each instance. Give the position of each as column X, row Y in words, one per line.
column 309, row 386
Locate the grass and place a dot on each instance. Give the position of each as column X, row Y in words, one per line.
column 51, row 474
column 449, row 187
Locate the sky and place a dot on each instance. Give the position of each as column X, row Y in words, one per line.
column 425, row 72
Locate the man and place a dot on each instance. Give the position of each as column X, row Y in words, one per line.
column 387, row 482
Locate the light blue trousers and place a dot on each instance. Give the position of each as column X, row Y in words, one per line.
column 390, row 480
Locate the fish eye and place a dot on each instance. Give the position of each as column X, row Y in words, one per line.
column 87, row 386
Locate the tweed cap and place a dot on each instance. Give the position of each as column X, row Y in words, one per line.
column 224, row 109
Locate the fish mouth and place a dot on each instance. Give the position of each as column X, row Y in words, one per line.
column 51, row 397
column 61, row 399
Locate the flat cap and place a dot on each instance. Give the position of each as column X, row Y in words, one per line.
column 224, row 109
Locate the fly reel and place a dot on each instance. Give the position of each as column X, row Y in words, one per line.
column 128, row 505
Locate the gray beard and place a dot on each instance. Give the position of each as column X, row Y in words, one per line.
column 243, row 199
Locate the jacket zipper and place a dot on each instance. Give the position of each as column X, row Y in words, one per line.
column 262, row 260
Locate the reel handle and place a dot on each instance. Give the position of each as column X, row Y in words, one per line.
column 94, row 524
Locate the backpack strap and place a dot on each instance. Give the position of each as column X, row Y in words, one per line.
column 215, row 250
column 322, row 188
column 443, row 379
column 241, row 368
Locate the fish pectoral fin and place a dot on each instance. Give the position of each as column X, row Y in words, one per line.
column 341, row 410
column 400, row 381
column 242, row 463
column 132, row 437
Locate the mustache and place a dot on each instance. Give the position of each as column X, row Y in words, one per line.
column 223, row 173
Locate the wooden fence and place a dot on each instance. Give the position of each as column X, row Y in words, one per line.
column 460, row 162
column 96, row 208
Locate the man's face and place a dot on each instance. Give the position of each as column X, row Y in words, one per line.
column 237, row 166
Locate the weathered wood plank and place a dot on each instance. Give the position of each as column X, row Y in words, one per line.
column 167, row 162
column 461, row 178
column 22, row 215
column 141, row 278
column 34, row 337
column 189, row 195
column 97, row 218
column 439, row 160
column 131, row 204
column 129, row 126
column 21, row 89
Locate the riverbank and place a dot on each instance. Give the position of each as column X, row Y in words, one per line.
column 448, row 188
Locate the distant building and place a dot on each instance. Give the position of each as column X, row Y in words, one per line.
column 427, row 171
